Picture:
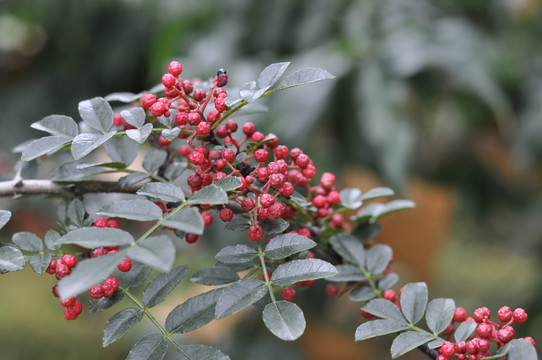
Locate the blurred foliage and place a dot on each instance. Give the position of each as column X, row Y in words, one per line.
column 446, row 91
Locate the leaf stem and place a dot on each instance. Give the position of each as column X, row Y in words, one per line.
column 266, row 276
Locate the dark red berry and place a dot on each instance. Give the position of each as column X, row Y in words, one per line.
column 481, row 314
column 199, row 94
column 249, row 128
column 484, row 330
column 194, row 118
column 460, row 314
column 196, row 158
column 504, row 314
column 319, row 201
column 203, row 129
column 191, row 238
column 248, row 204
column 519, row 315
column 51, row 269
column 226, row 214
column 220, row 105
column 228, row 155
column 267, row 200
column 303, row 160
column 255, row 233
column 288, row 294
column 163, row 141
column 332, row 290
column 96, row 292
column 118, row 120
column 125, row 265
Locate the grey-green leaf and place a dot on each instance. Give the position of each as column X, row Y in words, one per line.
column 284, row 319
column 5, row 215
column 27, row 241
column 271, row 74
column 378, row 258
column 93, row 237
column 137, row 274
column 193, row 313
column 121, row 149
column 105, row 303
column 384, row 309
column 362, row 293
column 89, row 273
column 40, row 262
column 187, row 219
column 97, row 113
column 237, row 254
column 407, row 341
column 85, row 143
column 153, row 160
column 200, row 352
column 284, row 245
column 44, row 145
column 162, row 285
column 464, row 330
column 302, row 270
column 149, row 347
column 140, row 135
column 303, row 76
column 414, row 301
column 171, row 134
column 376, row 193
column 351, row 198
column 210, row 194
column 439, row 314
column 393, row 206
column 238, row 296
column 76, row 212
column 11, row 258
column 132, row 179
column 134, row 116
column 229, row 183
column 60, row 125
column 220, row 275
column 349, row 247
column 522, row 350
column 157, row 252
column 347, row 273
column 163, row 191
column 387, row 281
column 374, row 328
column 119, row 323
column 51, row 240
column 138, row 209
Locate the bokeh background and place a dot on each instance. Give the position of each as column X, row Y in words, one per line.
column 440, row 100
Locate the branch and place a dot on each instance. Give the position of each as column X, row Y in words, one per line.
column 19, row 186
column 431, row 353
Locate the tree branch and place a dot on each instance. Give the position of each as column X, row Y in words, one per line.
column 19, row 186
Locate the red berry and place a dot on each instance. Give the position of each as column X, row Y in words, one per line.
column 304, row 232
column 219, row 175
column 484, row 330
column 168, row 80
column 449, row 329
column 191, row 238
column 519, row 315
column 506, row 334
column 207, row 218
column 221, row 80
column 222, row 132
column 529, row 339
column 68, row 302
column 175, row 68
column 277, row 180
column 303, row 160
column 220, row 105
column 481, row 314
column 327, row 180
column 281, row 151
column 261, row 213
column 484, row 345
column 185, row 150
column 100, row 222
column 194, row 118
column 261, row 155
column 203, row 129
column 447, row 349
column 69, row 260
column 255, row 233
column 275, row 211
column 96, row 292
column 213, row 116
column 249, row 128
column 262, row 174
column 320, row 201
column 61, row 270
column 269, row 273
column 248, row 204
column 199, row 94
column 163, row 141
column 158, row 109
column 196, row 158
column 125, row 265
column 366, row 315
column 257, row 137
column 333, row 197
column 305, row 283
column 309, row 171
column 181, row 118
column 228, row 155
column 51, row 269
column 231, row 125
column 390, row 295
column 118, row 120
column 287, row 189
column 267, row 200
column 288, row 294
column 504, row 314
column 332, row 290
column 460, row 315
column 226, row 214
column 99, row 252
column 148, row 100
column 112, row 223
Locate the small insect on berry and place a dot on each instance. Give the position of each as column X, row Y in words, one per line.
column 221, row 78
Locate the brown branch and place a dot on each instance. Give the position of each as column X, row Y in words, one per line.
column 19, row 187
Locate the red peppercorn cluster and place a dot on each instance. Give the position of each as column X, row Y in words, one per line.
column 487, row 333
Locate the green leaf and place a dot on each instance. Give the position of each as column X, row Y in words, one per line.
column 121, row 149
column 435, row 343
column 132, row 179
column 271, row 74
column 140, row 135
column 157, row 252
column 174, row 171
column 51, row 240
column 362, row 293
column 138, row 209
column 351, row 198
column 347, row 273
column 40, row 262
column 193, row 313
column 229, row 183
column 153, row 160
column 137, row 274
column 73, row 171
column 521, row 350
column 149, row 347
column 237, row 254
column 365, row 232
column 5, row 215
column 44, row 145
column 274, row 227
column 349, row 247
column 163, row 191
column 105, row 303
column 187, row 219
column 85, row 143
column 27, row 241
column 439, row 314
column 88, row 273
column 284, row 319
column 57, row 125
column 374, row 328
column 464, row 330
column 162, row 285
column 303, row 76
column 407, row 341
column 378, row 258
column 302, row 270
column 238, row 296
column 11, row 258
column 94, row 237
column 300, row 200
column 376, row 193
column 220, row 275
column 414, row 301
column 393, row 206
column 119, row 323
column 134, row 116
column 200, row 352
column 384, row 309
column 387, row 281
column 97, row 113
column 125, row 97
column 210, row 194
column 76, row 212
column 238, row 224
column 284, row 245
column 171, row 134
column 247, row 91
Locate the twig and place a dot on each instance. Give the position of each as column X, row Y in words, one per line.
column 19, row 186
